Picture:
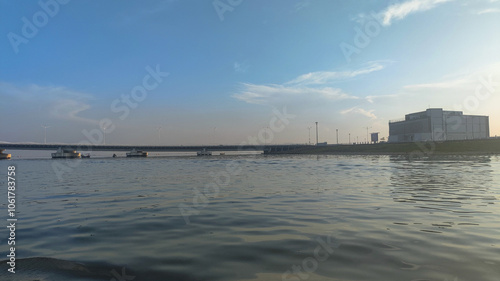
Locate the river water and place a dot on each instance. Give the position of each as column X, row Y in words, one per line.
column 256, row 218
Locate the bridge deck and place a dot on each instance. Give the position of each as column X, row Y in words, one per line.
column 150, row 148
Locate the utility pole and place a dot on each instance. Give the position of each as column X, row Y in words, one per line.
column 159, row 135
column 367, row 139
column 266, row 135
column 316, row 133
column 104, row 129
column 45, row 133
column 337, row 136
column 350, row 138
column 309, row 128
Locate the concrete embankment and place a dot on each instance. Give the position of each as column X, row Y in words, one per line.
column 486, row 146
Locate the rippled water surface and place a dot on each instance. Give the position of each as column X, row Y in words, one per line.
column 257, row 218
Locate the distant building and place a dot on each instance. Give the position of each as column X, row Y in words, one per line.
column 374, row 137
column 436, row 124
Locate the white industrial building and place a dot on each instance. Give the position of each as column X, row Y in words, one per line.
column 436, row 124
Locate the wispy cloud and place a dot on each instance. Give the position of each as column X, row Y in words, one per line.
column 302, row 4
column 359, row 111
column 325, row 77
column 69, row 109
column 455, row 91
column 306, row 88
column 489, row 11
column 60, row 102
column 240, row 67
column 372, row 99
column 462, row 81
column 449, row 84
column 399, row 11
column 276, row 94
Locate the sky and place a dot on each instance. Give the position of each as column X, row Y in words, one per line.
column 182, row 72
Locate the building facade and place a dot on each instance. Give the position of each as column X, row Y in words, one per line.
column 436, row 124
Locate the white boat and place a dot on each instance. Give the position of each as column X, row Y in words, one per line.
column 4, row 155
column 204, row 152
column 137, row 153
column 66, row 153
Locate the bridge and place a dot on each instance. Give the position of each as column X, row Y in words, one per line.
column 153, row 148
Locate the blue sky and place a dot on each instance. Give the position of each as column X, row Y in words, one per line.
column 223, row 66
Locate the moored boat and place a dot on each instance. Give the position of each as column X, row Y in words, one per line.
column 4, row 155
column 204, row 152
column 66, row 153
column 137, row 153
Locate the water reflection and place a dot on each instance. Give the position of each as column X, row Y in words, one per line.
column 454, row 184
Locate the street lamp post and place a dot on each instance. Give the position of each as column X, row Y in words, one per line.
column 104, row 129
column 316, row 133
column 349, row 138
column 45, row 133
column 367, row 134
column 265, row 135
column 159, row 135
column 337, row 136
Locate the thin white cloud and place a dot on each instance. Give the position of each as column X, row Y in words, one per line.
column 302, row 4
column 277, row 94
column 240, row 67
column 60, row 102
column 450, row 84
column 306, row 88
column 324, row 77
column 399, row 11
column 468, row 80
column 479, row 86
column 371, row 99
column 488, row 11
column 69, row 109
column 359, row 111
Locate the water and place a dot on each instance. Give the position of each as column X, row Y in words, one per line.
column 331, row 217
